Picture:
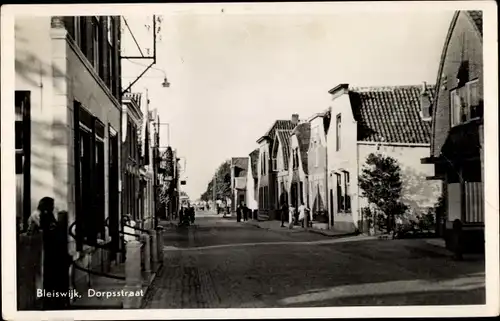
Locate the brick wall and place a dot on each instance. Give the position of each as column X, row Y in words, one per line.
column 464, row 41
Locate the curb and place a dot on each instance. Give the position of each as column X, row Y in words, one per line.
column 330, row 235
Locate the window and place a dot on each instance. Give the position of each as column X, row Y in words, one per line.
column 78, row 30
column 340, row 202
column 296, row 158
column 465, row 103
column 347, row 197
column 22, row 156
column 275, row 164
column 96, row 43
column 338, row 137
column 316, row 156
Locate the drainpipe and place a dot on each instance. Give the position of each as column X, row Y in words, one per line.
column 330, row 223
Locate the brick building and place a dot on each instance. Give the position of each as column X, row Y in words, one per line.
column 393, row 121
column 68, row 125
column 457, row 137
column 267, row 181
column 317, row 172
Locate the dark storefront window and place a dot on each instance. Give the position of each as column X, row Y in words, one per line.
column 23, row 155
column 89, row 192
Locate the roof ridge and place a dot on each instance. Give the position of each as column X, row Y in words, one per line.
column 388, row 88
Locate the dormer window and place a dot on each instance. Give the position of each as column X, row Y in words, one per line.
column 465, row 103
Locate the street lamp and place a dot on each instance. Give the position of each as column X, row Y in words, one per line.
column 164, row 84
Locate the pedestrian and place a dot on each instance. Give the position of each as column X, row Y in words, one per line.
column 43, row 217
column 56, row 261
column 245, row 212
column 302, row 213
column 239, row 211
column 192, row 214
column 284, row 213
column 291, row 217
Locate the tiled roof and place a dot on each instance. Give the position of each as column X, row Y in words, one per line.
column 303, row 133
column 254, row 159
column 477, row 18
column 390, row 114
column 280, row 124
column 242, row 164
column 135, row 97
column 284, row 136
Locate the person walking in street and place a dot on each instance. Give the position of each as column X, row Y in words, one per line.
column 291, row 217
column 239, row 211
column 303, row 211
column 192, row 213
column 284, row 213
column 245, row 212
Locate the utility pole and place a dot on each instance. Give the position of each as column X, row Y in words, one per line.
column 213, row 191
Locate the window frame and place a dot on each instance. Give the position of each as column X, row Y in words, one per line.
column 338, row 132
column 340, row 205
column 96, row 43
column 465, row 109
column 347, row 196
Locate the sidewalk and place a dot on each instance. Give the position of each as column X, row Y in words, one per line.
column 276, row 226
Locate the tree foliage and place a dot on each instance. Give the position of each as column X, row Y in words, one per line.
column 223, row 183
column 381, row 184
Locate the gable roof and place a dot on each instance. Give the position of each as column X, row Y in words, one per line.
column 303, row 133
column 280, row 124
column 477, row 18
column 390, row 114
column 284, row 138
column 240, row 163
column 254, row 159
column 134, row 97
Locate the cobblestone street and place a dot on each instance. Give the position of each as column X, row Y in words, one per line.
column 223, row 264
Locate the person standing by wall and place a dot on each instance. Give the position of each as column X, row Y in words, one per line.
column 284, row 213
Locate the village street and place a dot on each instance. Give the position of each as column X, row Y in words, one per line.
column 220, row 263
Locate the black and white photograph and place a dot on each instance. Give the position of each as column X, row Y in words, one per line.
column 250, row 160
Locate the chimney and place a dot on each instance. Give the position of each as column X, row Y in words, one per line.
column 425, row 103
column 295, row 119
column 424, row 87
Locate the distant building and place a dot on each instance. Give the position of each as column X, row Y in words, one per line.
column 280, row 156
column 132, row 123
column 298, row 167
column 252, row 180
column 457, row 143
column 239, row 173
column 267, row 181
column 317, row 172
column 392, row 121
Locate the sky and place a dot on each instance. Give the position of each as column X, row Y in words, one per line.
column 233, row 75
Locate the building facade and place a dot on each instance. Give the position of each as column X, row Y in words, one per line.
column 68, row 125
column 239, row 174
column 457, row 144
column 267, row 181
column 280, row 162
column 252, row 181
column 383, row 120
column 317, row 172
column 132, row 120
column 298, row 168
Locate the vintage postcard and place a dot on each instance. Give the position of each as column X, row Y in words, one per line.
column 249, row 160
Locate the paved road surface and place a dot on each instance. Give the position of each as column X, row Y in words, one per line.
column 223, row 264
